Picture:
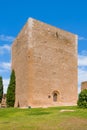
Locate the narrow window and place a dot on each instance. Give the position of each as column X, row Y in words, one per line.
column 18, row 105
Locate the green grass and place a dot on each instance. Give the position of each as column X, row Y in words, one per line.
column 43, row 119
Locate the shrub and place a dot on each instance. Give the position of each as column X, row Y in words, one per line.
column 82, row 100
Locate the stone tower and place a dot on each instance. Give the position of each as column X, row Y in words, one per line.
column 45, row 62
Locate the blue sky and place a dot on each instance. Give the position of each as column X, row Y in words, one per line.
column 65, row 14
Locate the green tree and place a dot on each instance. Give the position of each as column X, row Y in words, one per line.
column 1, row 89
column 82, row 100
column 11, row 90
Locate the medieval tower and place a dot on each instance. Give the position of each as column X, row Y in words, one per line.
column 44, row 59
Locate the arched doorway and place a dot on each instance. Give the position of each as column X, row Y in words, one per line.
column 55, row 96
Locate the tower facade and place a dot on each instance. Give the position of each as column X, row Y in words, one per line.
column 44, row 59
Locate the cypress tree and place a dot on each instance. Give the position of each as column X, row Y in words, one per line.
column 1, row 89
column 11, row 90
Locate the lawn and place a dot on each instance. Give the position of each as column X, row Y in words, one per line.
column 43, row 119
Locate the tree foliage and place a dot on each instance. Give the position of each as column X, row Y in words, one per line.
column 11, row 90
column 1, row 89
column 82, row 100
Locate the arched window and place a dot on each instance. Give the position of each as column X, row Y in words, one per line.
column 55, row 95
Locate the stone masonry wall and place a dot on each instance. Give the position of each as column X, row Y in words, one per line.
column 54, row 56
column 19, row 64
column 45, row 61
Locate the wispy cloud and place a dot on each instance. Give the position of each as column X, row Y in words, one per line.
column 5, row 66
column 6, row 38
column 5, row 48
column 82, row 60
column 82, row 75
column 82, row 38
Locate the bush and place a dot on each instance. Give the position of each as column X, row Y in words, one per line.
column 82, row 100
column 11, row 91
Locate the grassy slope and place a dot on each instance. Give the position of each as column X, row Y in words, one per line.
column 43, row 119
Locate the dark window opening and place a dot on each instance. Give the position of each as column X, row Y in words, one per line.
column 49, row 96
column 18, row 105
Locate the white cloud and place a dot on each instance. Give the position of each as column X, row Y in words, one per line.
column 5, row 83
column 82, row 38
column 6, row 38
column 5, row 66
column 82, row 69
column 82, row 74
column 5, row 69
column 82, row 60
column 5, row 48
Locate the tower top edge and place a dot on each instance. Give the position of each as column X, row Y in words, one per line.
column 30, row 19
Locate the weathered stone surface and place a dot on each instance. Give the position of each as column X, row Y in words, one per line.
column 83, row 85
column 45, row 62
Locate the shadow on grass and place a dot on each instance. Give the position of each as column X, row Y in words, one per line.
column 39, row 113
column 4, row 122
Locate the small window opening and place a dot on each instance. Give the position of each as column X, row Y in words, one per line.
column 49, row 96
column 18, row 104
